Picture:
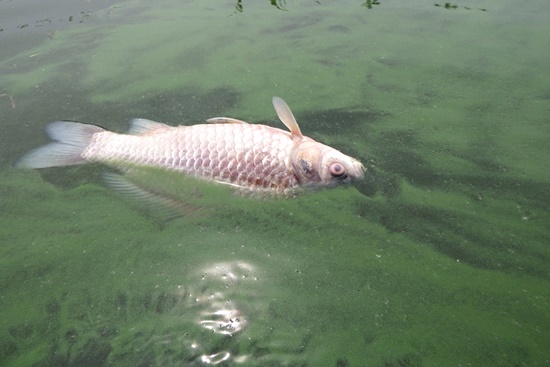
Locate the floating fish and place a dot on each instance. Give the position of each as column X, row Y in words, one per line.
column 252, row 157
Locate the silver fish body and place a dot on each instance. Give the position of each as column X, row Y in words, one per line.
column 253, row 157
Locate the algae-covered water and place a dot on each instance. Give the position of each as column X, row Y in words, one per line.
column 440, row 257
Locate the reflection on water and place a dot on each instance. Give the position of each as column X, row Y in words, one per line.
column 215, row 358
column 223, row 321
column 205, row 317
column 220, row 282
column 223, row 317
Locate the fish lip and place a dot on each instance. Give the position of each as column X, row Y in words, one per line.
column 360, row 168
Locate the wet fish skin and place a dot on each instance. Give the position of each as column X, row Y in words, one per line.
column 253, row 157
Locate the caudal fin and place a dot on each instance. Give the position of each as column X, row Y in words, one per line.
column 69, row 141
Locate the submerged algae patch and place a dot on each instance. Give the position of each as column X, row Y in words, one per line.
column 490, row 232
column 117, row 290
column 170, row 46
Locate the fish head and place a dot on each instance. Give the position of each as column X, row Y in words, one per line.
column 316, row 164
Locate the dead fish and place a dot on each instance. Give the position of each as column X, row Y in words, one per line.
column 252, row 157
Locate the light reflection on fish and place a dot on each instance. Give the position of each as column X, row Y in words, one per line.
column 252, row 157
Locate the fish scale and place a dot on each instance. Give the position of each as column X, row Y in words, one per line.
column 253, row 157
column 244, row 155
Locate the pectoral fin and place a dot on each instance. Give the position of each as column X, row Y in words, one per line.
column 286, row 116
column 158, row 205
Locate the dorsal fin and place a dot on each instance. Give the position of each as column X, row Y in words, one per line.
column 286, row 116
column 141, row 126
column 225, row 120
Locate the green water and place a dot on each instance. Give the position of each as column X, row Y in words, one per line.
column 438, row 258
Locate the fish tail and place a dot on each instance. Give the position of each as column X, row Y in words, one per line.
column 69, row 141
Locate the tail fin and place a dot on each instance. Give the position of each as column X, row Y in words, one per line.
column 70, row 140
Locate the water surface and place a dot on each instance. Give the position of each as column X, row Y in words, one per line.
column 439, row 257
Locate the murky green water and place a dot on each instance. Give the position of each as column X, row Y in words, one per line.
column 438, row 258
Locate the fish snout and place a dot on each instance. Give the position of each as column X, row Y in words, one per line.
column 359, row 170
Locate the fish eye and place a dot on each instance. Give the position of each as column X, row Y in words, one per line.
column 337, row 169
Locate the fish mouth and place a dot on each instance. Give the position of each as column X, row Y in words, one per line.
column 359, row 171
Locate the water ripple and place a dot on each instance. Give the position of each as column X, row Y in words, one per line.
column 218, row 313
